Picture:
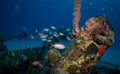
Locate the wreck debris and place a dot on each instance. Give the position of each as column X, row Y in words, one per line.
column 87, row 47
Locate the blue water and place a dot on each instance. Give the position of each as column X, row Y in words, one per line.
column 28, row 15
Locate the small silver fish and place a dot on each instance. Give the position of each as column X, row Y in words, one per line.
column 53, row 27
column 36, row 31
column 55, row 34
column 58, row 46
column 43, row 36
column 61, row 34
column 49, row 40
column 68, row 38
column 44, row 39
column 68, row 29
column 46, row 29
column 51, row 37
column 39, row 34
column 32, row 36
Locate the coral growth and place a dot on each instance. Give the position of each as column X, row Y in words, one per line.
column 77, row 15
column 88, row 45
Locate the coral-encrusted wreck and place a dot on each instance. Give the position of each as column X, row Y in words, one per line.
column 85, row 50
